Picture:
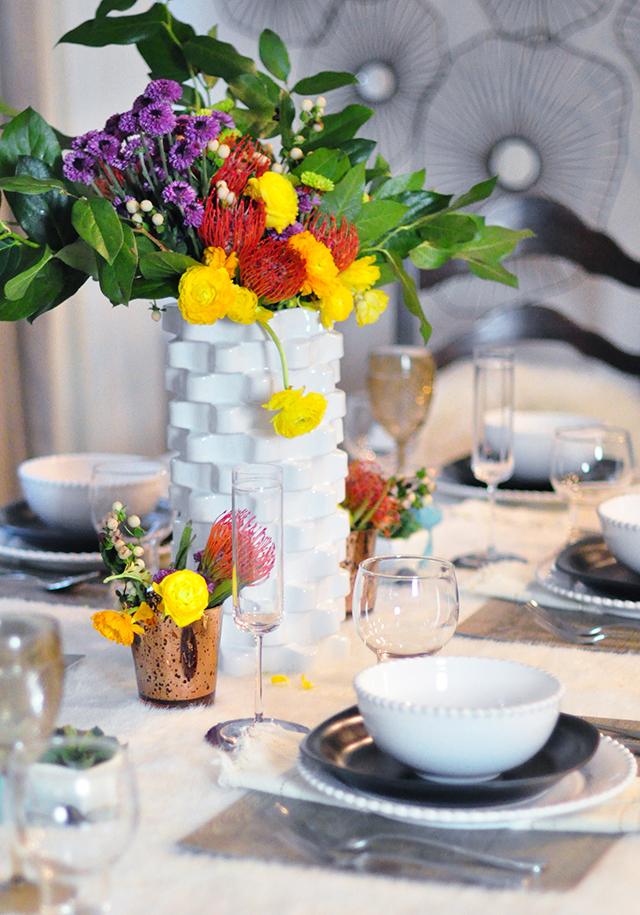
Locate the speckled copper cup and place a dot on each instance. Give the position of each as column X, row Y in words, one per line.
column 360, row 545
column 179, row 666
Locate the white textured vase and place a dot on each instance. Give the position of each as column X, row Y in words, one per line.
column 219, row 376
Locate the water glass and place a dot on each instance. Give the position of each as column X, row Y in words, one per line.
column 588, row 465
column 405, row 606
column 76, row 812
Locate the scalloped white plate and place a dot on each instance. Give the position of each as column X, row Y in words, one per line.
column 15, row 551
column 558, row 582
column 608, row 772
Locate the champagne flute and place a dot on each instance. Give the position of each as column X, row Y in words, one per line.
column 492, row 438
column 588, row 465
column 400, row 383
column 257, row 583
column 139, row 485
column 76, row 811
column 31, row 677
column 405, row 606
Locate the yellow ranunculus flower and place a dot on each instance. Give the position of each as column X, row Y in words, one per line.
column 245, row 309
column 298, row 413
column 145, row 614
column 215, row 257
column 205, row 294
column 362, row 274
column 279, row 198
column 370, row 305
column 184, row 596
column 337, row 306
column 115, row 626
column 321, row 271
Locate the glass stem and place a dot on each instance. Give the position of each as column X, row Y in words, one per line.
column 402, row 457
column 259, row 716
column 491, row 545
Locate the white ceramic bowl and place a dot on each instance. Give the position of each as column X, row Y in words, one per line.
column 56, row 488
column 620, row 522
column 459, row 718
column 533, row 432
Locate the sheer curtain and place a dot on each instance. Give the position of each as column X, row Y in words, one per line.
column 87, row 376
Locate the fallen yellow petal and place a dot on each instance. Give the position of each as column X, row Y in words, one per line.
column 307, row 684
column 280, row 678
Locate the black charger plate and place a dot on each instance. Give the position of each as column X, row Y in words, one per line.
column 589, row 561
column 18, row 520
column 343, row 748
column 460, row 473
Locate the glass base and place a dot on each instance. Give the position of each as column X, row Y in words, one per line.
column 18, row 895
column 226, row 734
column 480, row 560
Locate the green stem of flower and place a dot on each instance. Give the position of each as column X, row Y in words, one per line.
column 283, row 358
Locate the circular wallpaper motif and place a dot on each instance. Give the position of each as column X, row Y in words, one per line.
column 552, row 18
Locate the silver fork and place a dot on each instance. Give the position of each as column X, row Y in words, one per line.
column 373, row 847
column 578, row 629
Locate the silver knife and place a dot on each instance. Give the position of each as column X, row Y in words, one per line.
column 626, row 729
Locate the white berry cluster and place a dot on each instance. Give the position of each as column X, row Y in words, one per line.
column 116, row 523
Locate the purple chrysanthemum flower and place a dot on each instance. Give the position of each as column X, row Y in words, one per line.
column 80, row 166
column 157, row 119
column 133, row 148
column 104, row 146
column 180, row 193
column 182, row 154
column 159, row 171
column 294, row 229
column 167, row 90
column 139, row 103
column 128, row 123
column 193, row 214
column 157, row 578
column 226, row 120
column 83, row 140
column 202, row 128
column 112, row 127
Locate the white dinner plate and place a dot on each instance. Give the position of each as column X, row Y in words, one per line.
column 558, row 582
column 608, row 772
column 17, row 552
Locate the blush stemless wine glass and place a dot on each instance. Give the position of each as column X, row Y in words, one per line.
column 257, row 586
column 31, row 676
column 405, row 606
column 76, row 811
column 588, row 465
column 400, row 384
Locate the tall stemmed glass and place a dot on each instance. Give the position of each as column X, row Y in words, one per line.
column 400, row 384
column 588, row 465
column 492, row 437
column 405, row 606
column 31, row 676
column 257, row 586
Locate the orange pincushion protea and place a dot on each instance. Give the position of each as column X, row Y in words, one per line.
column 341, row 240
column 246, row 160
column 273, row 270
column 236, row 227
column 367, row 499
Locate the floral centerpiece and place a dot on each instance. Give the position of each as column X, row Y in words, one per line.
column 184, row 195
column 172, row 619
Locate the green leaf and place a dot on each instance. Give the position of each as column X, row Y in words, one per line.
column 98, row 33
column 7, row 110
column 54, row 284
column 217, row 58
column 358, row 149
column 346, row 198
column 106, row 6
column 155, row 289
column 95, row 220
column 450, row 230
column 11, row 253
column 116, row 279
column 323, row 82
column 28, row 134
column 162, row 264
column 422, row 204
column 331, row 163
column 249, row 88
column 165, row 58
column 429, row 257
column 410, row 294
column 376, row 218
column 286, row 113
column 340, row 127
column 394, row 186
column 273, row 54
column 478, row 192
column 492, row 271
column 16, row 287
column 45, row 218
column 80, row 256
column 25, row 184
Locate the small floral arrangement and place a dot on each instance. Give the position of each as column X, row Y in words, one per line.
column 177, row 592
column 388, row 505
column 183, row 195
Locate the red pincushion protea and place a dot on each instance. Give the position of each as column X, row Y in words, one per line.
column 238, row 227
column 367, row 499
column 256, row 553
column 245, row 160
column 341, row 240
column 273, row 270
